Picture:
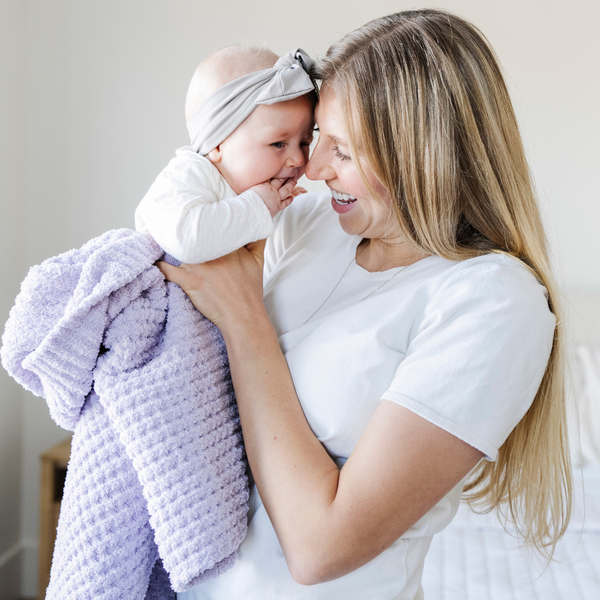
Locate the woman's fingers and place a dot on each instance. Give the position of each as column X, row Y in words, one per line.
column 224, row 289
column 169, row 271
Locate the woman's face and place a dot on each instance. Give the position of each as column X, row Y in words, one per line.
column 359, row 213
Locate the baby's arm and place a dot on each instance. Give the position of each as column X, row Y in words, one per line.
column 185, row 215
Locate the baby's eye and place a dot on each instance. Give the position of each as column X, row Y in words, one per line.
column 278, row 144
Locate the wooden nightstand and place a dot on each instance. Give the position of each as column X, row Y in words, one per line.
column 53, row 473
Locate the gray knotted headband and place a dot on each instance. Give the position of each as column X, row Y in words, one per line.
column 225, row 110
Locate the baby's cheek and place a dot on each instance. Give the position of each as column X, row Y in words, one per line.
column 256, row 170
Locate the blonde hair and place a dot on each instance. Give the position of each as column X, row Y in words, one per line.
column 424, row 101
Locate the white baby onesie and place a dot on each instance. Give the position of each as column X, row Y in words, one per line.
column 195, row 216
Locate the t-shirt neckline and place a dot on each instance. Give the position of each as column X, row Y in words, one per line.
column 361, row 272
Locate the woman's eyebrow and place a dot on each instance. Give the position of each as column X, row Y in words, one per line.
column 337, row 140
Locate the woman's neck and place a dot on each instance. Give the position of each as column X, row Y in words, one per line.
column 380, row 255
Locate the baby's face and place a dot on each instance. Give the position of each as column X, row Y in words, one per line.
column 271, row 143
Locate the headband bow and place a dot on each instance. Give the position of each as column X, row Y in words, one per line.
column 227, row 108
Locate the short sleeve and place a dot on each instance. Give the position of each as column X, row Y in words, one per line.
column 477, row 357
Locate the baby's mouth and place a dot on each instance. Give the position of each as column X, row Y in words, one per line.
column 342, row 198
column 294, row 173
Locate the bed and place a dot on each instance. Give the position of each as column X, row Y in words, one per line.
column 474, row 558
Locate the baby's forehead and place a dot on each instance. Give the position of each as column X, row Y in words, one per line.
column 289, row 116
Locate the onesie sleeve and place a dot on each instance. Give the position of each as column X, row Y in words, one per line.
column 191, row 213
column 478, row 355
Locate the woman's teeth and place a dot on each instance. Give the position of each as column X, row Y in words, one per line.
column 342, row 198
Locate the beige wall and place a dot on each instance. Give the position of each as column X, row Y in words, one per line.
column 92, row 109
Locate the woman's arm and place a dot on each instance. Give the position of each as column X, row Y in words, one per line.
column 328, row 521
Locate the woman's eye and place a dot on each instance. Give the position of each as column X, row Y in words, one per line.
column 278, row 144
column 341, row 155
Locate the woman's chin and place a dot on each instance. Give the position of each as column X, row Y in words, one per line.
column 350, row 226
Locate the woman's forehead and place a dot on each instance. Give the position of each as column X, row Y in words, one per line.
column 329, row 117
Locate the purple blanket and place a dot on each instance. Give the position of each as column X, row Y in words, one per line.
column 157, row 476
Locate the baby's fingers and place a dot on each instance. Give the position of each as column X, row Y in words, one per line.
column 287, row 188
column 298, row 190
column 277, row 183
column 286, row 202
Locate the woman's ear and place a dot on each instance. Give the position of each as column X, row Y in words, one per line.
column 215, row 155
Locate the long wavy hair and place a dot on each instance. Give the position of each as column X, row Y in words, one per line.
column 424, row 101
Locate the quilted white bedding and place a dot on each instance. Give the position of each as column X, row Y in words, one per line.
column 475, row 559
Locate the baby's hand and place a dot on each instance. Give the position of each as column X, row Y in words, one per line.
column 297, row 191
column 277, row 194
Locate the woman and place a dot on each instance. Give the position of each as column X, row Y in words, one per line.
column 413, row 346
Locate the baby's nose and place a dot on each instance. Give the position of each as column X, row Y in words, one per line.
column 295, row 158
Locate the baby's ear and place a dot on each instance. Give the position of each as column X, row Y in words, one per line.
column 215, row 155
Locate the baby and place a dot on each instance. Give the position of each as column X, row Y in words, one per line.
column 250, row 119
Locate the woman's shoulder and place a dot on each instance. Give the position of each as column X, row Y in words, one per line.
column 493, row 282
column 492, row 272
column 477, row 348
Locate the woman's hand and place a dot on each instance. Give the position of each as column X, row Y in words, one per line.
column 227, row 289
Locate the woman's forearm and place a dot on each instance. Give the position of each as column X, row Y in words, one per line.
column 330, row 521
column 296, row 478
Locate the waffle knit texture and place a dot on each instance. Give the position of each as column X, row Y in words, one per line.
column 156, row 489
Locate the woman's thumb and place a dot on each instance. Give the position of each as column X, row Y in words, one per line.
column 170, row 272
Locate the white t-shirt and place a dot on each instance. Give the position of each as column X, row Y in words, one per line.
column 195, row 216
column 463, row 344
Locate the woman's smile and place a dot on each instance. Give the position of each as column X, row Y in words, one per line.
column 341, row 203
column 359, row 213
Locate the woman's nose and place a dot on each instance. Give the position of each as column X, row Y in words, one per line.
column 317, row 167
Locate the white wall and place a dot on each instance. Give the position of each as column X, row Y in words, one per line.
column 101, row 111
column 107, row 80
column 12, row 247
